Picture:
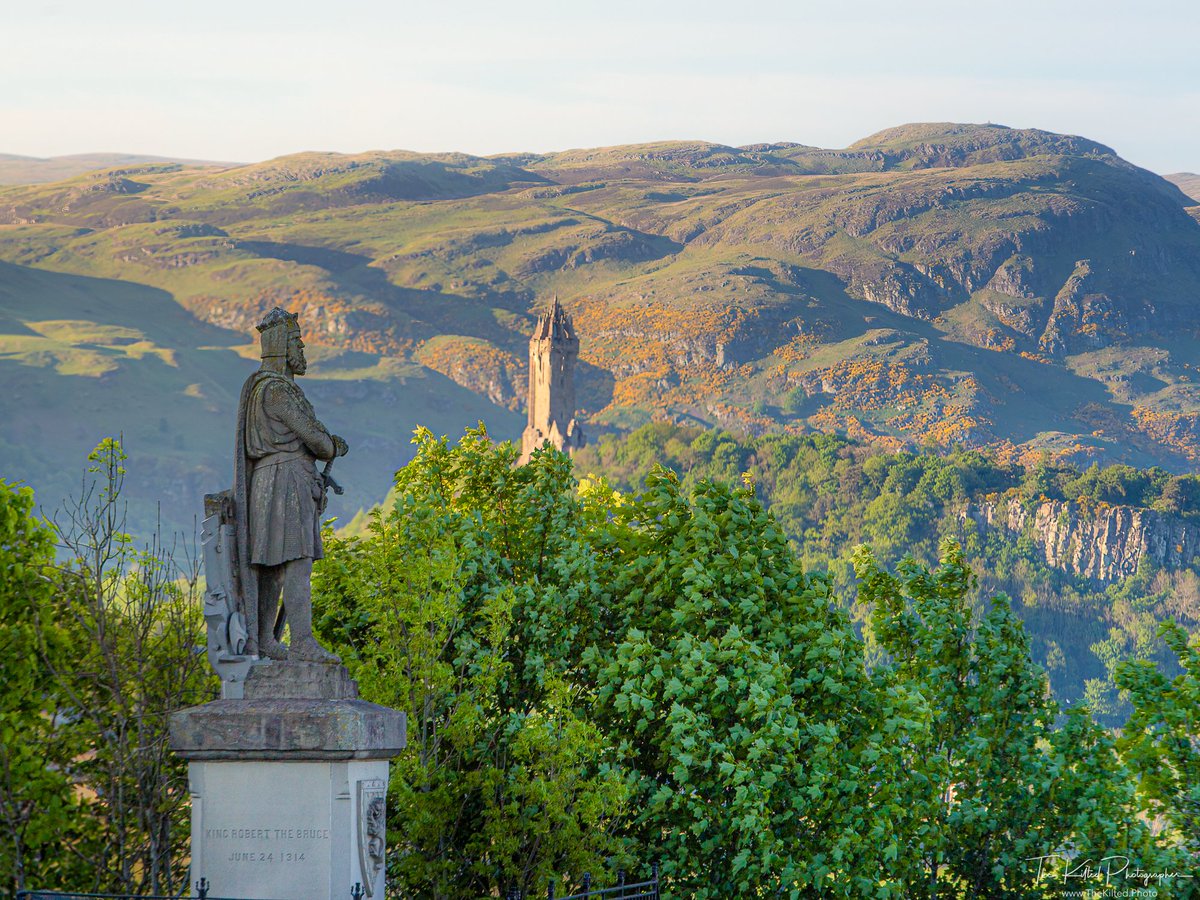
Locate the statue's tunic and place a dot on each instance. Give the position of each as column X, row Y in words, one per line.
column 284, row 496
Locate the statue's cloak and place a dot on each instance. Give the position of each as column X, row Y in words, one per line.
column 247, row 578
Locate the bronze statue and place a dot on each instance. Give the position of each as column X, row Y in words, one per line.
column 279, row 496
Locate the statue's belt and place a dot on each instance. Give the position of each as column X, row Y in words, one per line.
column 275, row 459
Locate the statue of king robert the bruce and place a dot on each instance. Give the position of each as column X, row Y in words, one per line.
column 279, row 495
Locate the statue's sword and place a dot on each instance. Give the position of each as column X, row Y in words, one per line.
column 327, row 478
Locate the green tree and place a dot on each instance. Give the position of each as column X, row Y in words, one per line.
column 130, row 622
column 1162, row 738
column 765, row 760
column 997, row 783
column 468, row 604
column 98, row 644
column 39, row 812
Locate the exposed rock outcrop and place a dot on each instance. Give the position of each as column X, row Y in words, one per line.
column 477, row 365
column 1104, row 543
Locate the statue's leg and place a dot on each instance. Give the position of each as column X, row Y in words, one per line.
column 271, row 580
column 297, row 600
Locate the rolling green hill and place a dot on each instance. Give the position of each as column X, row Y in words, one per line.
column 940, row 284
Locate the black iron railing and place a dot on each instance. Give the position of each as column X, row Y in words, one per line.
column 201, row 893
column 202, row 890
column 622, row 890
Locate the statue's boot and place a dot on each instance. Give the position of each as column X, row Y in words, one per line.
column 297, row 602
column 272, row 649
column 309, row 650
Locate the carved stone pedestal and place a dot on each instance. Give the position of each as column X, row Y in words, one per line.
column 289, row 785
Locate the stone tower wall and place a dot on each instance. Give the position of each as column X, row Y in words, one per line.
column 553, row 350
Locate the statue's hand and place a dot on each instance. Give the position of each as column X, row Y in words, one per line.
column 340, row 447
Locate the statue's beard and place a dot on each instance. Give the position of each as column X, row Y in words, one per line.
column 296, row 362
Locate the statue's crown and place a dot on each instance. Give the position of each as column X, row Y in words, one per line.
column 274, row 332
column 277, row 317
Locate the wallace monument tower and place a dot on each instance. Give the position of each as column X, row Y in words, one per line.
column 553, row 350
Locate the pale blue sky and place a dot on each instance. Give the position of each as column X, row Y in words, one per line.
column 255, row 79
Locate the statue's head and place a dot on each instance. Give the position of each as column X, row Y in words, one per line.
column 279, row 338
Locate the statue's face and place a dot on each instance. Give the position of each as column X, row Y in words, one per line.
column 295, row 354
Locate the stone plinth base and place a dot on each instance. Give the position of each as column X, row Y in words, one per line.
column 287, row 830
column 289, row 729
column 289, row 785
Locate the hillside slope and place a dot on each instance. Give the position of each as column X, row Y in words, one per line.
column 1189, row 183
column 82, row 358
column 947, row 284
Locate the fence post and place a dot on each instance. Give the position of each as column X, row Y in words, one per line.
column 202, row 888
column 621, row 881
column 550, row 889
column 654, row 872
column 587, row 882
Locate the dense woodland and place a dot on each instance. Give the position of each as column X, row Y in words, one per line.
column 830, row 495
column 598, row 678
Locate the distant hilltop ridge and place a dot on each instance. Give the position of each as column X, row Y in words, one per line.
column 913, row 146
column 39, row 170
column 933, row 284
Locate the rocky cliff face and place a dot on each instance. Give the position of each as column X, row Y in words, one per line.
column 1104, row 543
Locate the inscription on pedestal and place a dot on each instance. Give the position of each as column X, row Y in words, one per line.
column 269, row 839
column 268, row 845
